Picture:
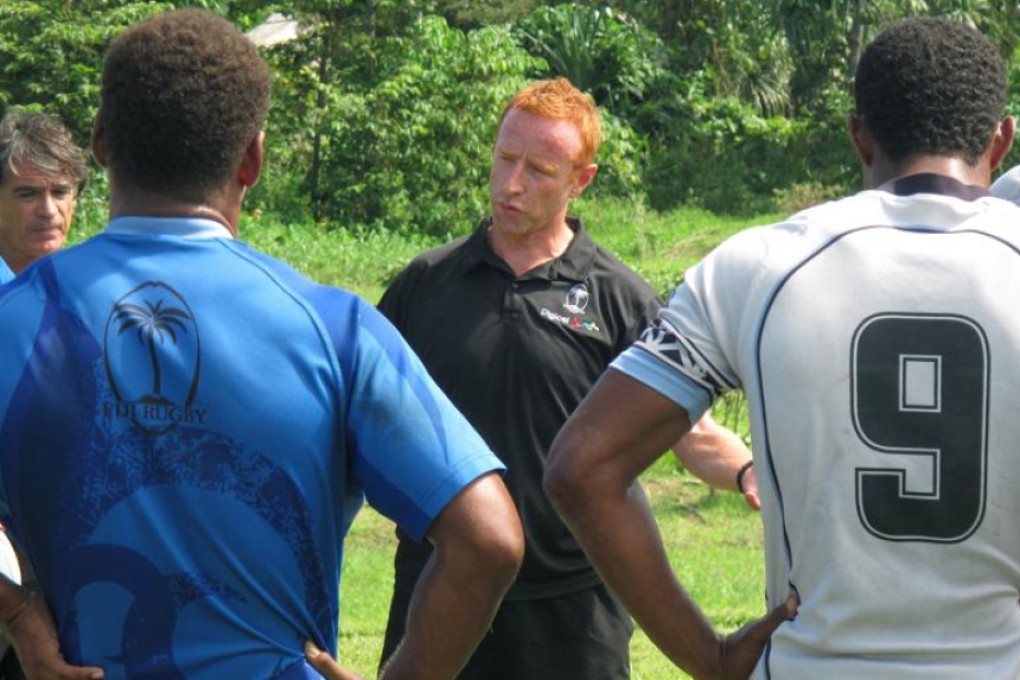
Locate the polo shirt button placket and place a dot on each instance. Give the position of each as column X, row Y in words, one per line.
column 511, row 305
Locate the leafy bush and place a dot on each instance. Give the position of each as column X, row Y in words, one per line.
column 605, row 53
column 411, row 152
column 797, row 197
column 51, row 54
column 722, row 156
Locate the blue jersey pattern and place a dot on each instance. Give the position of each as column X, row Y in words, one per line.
column 187, row 428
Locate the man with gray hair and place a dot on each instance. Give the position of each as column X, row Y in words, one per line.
column 42, row 172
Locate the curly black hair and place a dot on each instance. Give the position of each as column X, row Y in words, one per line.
column 931, row 86
column 183, row 94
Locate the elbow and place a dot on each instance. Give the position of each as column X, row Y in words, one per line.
column 506, row 550
column 497, row 536
column 562, row 483
column 510, row 556
column 500, row 554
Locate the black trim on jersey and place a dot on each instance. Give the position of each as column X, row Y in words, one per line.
column 684, row 356
column 719, row 375
column 934, row 183
column 770, row 465
column 771, row 468
column 711, row 394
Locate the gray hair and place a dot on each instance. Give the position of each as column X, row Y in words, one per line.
column 41, row 140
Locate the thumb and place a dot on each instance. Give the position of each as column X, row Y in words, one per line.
column 64, row 670
column 311, row 651
column 752, row 500
column 787, row 611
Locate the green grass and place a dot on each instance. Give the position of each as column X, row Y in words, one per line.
column 659, row 246
column 714, row 541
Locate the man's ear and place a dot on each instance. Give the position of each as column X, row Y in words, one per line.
column 584, row 178
column 251, row 163
column 98, row 141
column 861, row 139
column 1002, row 142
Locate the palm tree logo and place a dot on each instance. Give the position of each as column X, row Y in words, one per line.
column 152, row 355
column 154, row 322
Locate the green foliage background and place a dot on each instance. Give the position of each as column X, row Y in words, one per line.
column 379, row 139
column 384, row 110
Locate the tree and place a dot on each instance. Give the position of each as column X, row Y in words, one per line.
column 731, row 47
column 410, row 150
column 604, row 53
column 826, row 38
column 472, row 14
column 51, row 54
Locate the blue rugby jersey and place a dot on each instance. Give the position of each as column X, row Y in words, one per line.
column 187, row 428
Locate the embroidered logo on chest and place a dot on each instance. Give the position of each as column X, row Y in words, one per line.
column 576, row 304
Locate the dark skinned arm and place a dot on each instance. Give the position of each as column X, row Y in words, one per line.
column 27, row 622
column 619, row 430
column 479, row 545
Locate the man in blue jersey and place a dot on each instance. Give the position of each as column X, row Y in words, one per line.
column 876, row 339
column 188, row 427
column 42, row 172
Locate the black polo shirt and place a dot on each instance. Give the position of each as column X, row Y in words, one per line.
column 517, row 355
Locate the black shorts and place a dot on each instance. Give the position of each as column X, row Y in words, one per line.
column 581, row 636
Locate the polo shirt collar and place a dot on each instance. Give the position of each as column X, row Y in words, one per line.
column 574, row 264
column 178, row 227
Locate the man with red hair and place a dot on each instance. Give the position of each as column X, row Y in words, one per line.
column 516, row 322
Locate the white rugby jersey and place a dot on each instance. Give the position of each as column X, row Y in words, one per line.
column 1008, row 185
column 878, row 341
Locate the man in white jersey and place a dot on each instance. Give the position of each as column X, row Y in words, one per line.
column 876, row 338
column 1008, row 185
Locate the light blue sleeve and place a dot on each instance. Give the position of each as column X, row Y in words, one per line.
column 675, row 386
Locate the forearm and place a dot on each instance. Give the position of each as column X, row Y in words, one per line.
column 450, row 611
column 619, row 533
column 14, row 600
column 27, row 622
column 620, row 428
column 712, row 453
column 479, row 546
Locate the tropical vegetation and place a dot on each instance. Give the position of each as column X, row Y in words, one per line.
column 384, row 110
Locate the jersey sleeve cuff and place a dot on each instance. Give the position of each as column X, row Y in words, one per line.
column 459, row 478
column 646, row 369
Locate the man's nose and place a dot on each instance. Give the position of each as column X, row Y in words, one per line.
column 47, row 204
column 515, row 179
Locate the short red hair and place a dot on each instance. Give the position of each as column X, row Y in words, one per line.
column 557, row 99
